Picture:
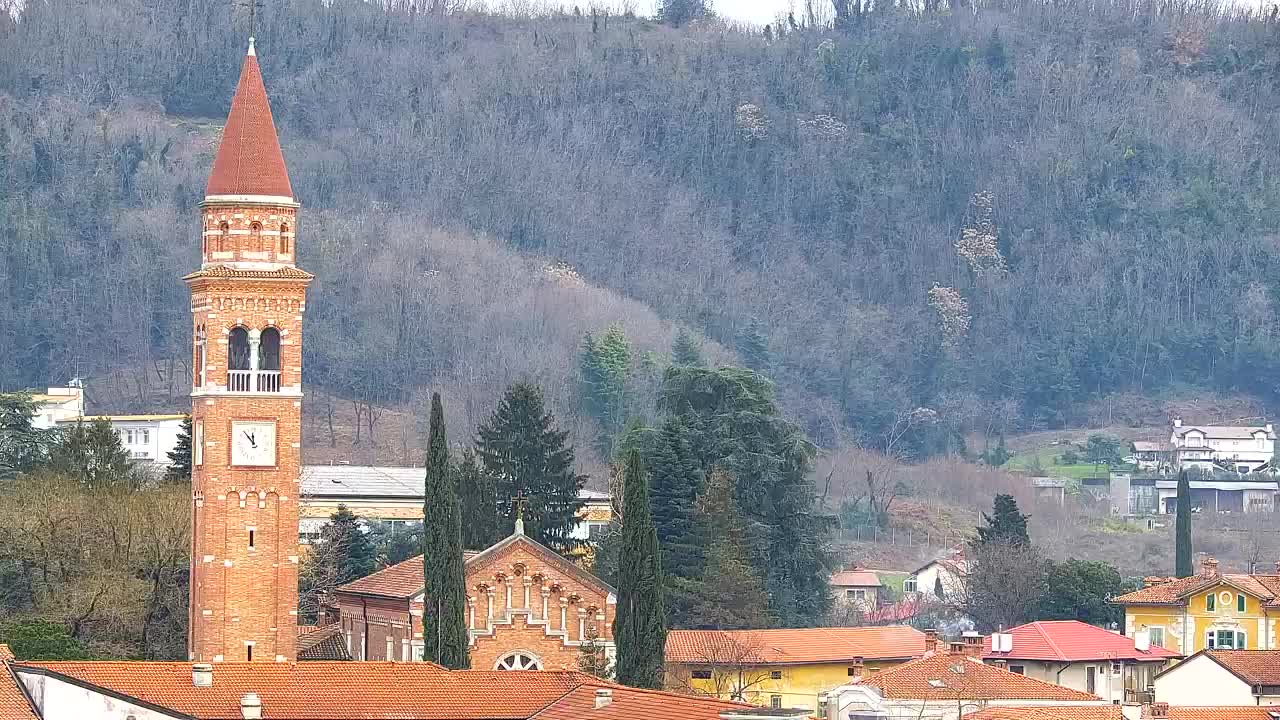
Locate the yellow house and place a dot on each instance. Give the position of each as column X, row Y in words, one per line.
column 784, row 668
column 1205, row 611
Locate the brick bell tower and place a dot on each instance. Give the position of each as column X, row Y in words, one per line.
column 247, row 301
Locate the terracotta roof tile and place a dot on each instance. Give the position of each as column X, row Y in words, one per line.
column 855, row 578
column 1176, row 591
column 323, row 643
column 1256, row 667
column 1244, row 712
column 795, row 646
column 1071, row 641
column 249, row 160
column 222, row 271
column 13, row 701
column 633, row 704
column 1077, row 712
column 942, row 676
column 329, row 690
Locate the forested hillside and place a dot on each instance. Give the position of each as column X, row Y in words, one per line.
column 996, row 214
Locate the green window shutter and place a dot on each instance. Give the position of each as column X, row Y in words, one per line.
column 1240, row 602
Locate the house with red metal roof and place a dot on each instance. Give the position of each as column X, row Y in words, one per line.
column 1080, row 656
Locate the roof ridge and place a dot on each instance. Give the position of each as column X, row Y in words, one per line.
column 1049, row 640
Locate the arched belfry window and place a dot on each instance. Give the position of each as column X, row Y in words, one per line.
column 238, row 357
column 284, row 241
column 269, row 350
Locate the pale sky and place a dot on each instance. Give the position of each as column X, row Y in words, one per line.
column 758, row 12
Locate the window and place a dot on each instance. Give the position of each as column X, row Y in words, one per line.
column 223, row 240
column 596, row 532
column 855, row 595
column 909, row 585
column 256, row 229
column 251, row 533
column 518, row 660
column 1225, row 640
column 144, row 437
column 390, row 648
column 284, row 241
column 1210, row 602
column 269, row 350
column 775, row 701
column 775, row 674
column 1091, row 680
column 1157, row 636
column 1239, row 602
column 248, row 651
column 1018, row 669
column 855, row 671
column 700, row 674
column 197, row 442
column 238, row 349
column 1116, row 668
column 199, row 374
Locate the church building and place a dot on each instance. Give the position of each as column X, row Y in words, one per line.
column 247, row 301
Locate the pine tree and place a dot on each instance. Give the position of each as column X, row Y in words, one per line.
column 605, row 369
column 1183, row 564
column 528, row 457
column 347, row 547
column 1005, row 524
column 477, row 494
column 685, row 350
column 676, row 483
column 179, row 469
column 22, row 446
column 753, row 348
column 92, row 454
column 444, row 624
column 731, row 595
column 639, row 627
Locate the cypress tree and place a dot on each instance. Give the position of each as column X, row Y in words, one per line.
column 179, row 469
column 1183, row 566
column 1005, row 523
column 685, row 351
column 477, row 496
column 444, row 629
column 639, row 628
column 526, row 455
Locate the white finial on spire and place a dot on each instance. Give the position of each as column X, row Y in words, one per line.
column 519, row 525
column 251, row 52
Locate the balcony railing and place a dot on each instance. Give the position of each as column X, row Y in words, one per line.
column 253, row 380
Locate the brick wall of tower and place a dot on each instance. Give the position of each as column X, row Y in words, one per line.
column 248, row 233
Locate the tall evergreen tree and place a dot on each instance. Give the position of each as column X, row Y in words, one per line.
column 731, row 595
column 93, row 454
column 639, row 627
column 525, row 453
column 179, row 469
column 347, row 547
column 753, row 347
column 444, row 623
column 685, row 350
column 1005, row 523
column 1183, row 563
column 477, row 495
column 22, row 445
column 676, row 482
column 605, row 370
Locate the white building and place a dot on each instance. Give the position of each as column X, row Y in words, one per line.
column 946, row 573
column 56, row 405
column 147, row 438
column 1222, row 677
column 1242, row 448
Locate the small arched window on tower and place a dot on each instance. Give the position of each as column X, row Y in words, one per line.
column 224, row 236
column 269, row 361
column 284, row 241
column 239, row 368
column 255, row 229
column 199, row 374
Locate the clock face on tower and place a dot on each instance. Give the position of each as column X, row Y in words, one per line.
column 253, row 443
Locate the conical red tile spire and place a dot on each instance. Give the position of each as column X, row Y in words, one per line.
column 249, row 160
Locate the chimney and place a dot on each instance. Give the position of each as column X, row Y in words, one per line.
column 1159, row 710
column 972, row 644
column 202, row 675
column 1177, row 421
column 856, row 668
column 251, row 707
column 604, row 696
column 931, row 635
column 955, row 648
column 1278, row 567
column 1209, row 566
column 1142, row 641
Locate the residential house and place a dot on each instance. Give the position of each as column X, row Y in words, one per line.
column 1080, row 656
column 58, row 404
column 1205, row 611
column 1241, row 448
column 784, row 667
column 946, row 686
column 943, row 573
column 394, row 495
column 527, row 609
column 1152, row 456
column 857, row 586
column 14, row 704
column 1155, row 711
column 147, row 438
column 1223, row 677
column 124, row 690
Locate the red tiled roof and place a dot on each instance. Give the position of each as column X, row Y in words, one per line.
column 249, row 160
column 633, row 704
column 794, row 646
column 323, row 643
column 1242, row 712
column 222, row 271
column 329, row 690
column 1256, row 667
column 942, row 676
column 402, row 580
column 1071, row 641
column 1068, row 712
column 855, row 578
column 1177, row 590
column 13, row 701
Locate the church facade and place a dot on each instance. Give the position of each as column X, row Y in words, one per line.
column 247, row 303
